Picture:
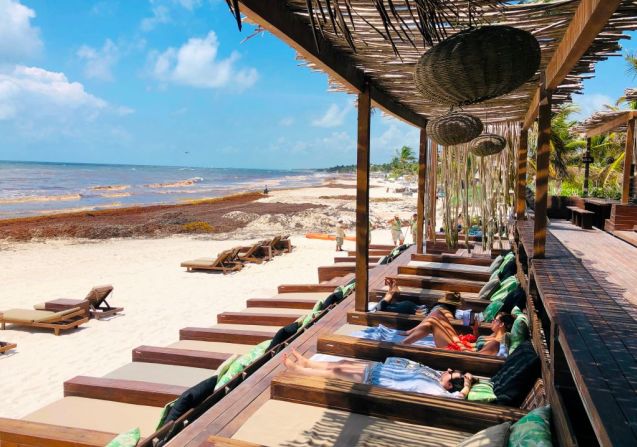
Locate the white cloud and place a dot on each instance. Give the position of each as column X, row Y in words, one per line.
column 590, row 103
column 196, row 64
column 334, row 116
column 189, row 4
column 160, row 16
column 30, row 91
column 286, row 121
column 99, row 61
column 18, row 38
column 395, row 134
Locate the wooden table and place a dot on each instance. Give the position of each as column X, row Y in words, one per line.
column 601, row 208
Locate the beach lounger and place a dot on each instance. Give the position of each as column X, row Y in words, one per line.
column 95, row 303
column 225, row 262
column 58, row 321
column 256, row 253
column 6, row 347
column 284, row 244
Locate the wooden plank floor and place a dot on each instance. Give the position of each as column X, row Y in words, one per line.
column 610, row 260
column 225, row 418
column 592, row 328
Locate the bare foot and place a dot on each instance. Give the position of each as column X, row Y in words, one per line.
column 299, row 358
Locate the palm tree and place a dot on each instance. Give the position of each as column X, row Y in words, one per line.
column 404, row 161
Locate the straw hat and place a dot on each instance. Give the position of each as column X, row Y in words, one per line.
column 451, row 298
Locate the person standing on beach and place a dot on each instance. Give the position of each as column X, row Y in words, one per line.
column 396, row 230
column 413, row 224
column 340, row 235
column 266, row 190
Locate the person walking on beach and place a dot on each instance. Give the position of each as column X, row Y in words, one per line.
column 266, row 190
column 396, row 230
column 340, row 235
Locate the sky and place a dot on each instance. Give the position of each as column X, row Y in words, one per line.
column 173, row 82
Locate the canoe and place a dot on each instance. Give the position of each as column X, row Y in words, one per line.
column 327, row 237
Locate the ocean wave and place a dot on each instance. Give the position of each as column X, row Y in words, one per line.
column 27, row 199
column 114, row 195
column 178, row 184
column 110, row 187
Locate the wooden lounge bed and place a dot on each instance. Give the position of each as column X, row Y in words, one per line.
column 446, row 270
column 300, row 424
column 298, row 300
column 401, row 321
column 430, row 297
column 95, row 303
column 97, row 414
column 453, row 259
column 58, row 321
column 6, row 346
column 431, row 282
column 256, row 253
column 225, row 262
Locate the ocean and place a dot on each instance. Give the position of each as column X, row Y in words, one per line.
column 34, row 188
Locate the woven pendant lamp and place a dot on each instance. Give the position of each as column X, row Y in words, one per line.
column 454, row 128
column 477, row 64
column 487, row 144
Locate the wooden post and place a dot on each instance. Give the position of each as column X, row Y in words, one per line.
column 362, row 200
column 522, row 157
column 542, row 174
column 432, row 192
column 422, row 181
column 587, row 166
column 628, row 160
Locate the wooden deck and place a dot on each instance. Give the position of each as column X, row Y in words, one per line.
column 227, row 416
column 592, row 350
column 611, row 261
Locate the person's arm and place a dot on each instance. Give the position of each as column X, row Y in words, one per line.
column 468, row 383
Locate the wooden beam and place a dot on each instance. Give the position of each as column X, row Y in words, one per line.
column 275, row 17
column 378, row 351
column 16, row 432
column 223, row 335
column 362, row 200
column 126, row 391
column 453, row 259
column 179, row 357
column 542, row 173
column 422, row 182
column 628, row 160
column 520, row 207
column 587, row 166
column 589, row 20
column 421, row 270
column 611, row 125
column 262, row 319
column 303, row 288
column 455, row 414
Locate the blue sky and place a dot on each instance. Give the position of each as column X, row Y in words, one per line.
column 169, row 82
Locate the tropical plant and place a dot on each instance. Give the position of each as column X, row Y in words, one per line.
column 403, row 162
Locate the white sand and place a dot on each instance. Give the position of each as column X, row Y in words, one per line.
column 159, row 296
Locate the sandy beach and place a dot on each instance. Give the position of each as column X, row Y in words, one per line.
column 160, row 297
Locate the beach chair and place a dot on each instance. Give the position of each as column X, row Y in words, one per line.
column 6, row 346
column 94, row 304
column 272, row 246
column 226, row 261
column 284, row 244
column 58, row 321
column 255, row 253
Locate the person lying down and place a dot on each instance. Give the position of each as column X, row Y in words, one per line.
column 436, row 331
column 395, row 373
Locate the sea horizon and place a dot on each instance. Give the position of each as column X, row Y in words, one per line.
column 30, row 188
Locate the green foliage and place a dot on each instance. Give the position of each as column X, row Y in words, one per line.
column 608, row 192
column 403, row 162
column 198, row 227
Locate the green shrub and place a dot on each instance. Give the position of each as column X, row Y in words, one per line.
column 198, row 227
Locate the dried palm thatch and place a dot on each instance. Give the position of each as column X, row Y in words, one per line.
column 477, row 64
column 454, row 128
column 487, row 144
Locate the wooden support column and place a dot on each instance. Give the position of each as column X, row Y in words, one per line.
column 422, row 182
column 587, row 165
column 362, row 200
column 433, row 166
column 628, row 160
column 542, row 174
column 521, row 177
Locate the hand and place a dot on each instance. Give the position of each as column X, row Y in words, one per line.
column 469, row 379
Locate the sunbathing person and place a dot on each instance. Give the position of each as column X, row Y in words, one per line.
column 438, row 324
column 389, row 304
column 395, row 373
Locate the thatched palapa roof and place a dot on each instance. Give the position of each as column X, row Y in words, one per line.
column 382, row 40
